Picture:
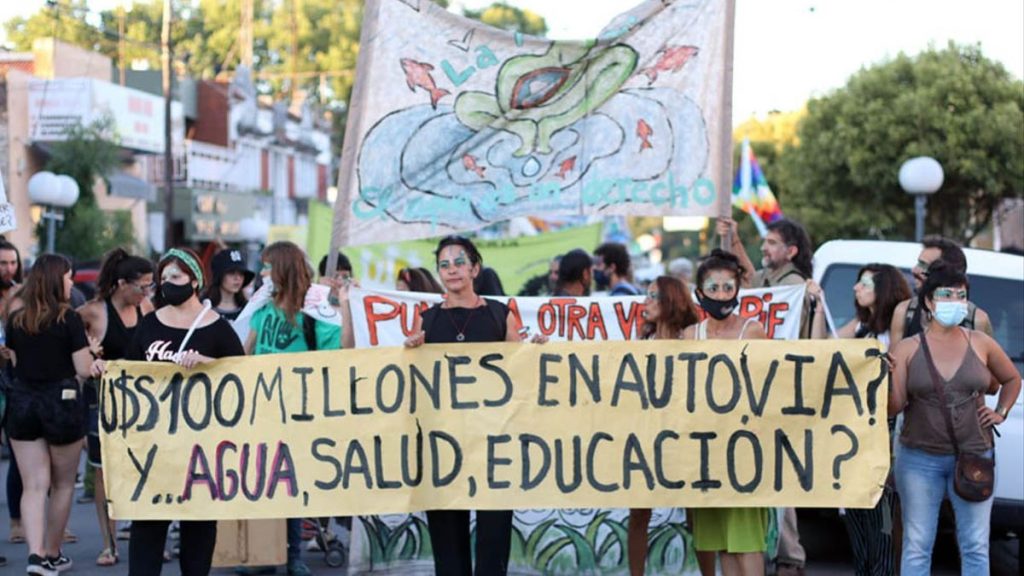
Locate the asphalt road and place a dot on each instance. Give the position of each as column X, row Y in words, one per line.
column 822, row 533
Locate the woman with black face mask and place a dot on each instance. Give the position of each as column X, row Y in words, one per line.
column 737, row 535
column 183, row 331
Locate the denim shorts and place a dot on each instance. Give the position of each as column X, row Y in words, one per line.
column 51, row 411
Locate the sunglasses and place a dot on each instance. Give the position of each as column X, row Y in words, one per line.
column 714, row 288
column 951, row 293
column 867, row 282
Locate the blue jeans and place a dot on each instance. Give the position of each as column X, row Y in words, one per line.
column 294, row 539
column 922, row 480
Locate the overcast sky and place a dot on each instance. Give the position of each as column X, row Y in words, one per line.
column 790, row 50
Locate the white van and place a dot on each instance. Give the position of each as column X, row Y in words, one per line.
column 997, row 287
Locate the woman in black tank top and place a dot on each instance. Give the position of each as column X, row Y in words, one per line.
column 123, row 290
column 466, row 317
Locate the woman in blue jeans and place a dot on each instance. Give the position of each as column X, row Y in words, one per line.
column 966, row 361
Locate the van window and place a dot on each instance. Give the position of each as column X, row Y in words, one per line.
column 999, row 297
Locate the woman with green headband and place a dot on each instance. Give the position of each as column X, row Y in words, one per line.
column 183, row 331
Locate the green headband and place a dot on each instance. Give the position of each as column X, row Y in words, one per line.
column 189, row 261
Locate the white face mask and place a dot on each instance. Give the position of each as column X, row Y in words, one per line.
column 269, row 283
column 950, row 314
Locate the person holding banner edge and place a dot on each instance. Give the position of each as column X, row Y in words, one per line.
column 877, row 293
column 188, row 333
column 124, row 287
column 668, row 312
column 787, row 256
column 450, row 322
column 737, row 535
column 940, row 377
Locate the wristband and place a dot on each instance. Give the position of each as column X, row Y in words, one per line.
column 1003, row 411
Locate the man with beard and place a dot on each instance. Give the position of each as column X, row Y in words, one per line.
column 906, row 319
column 613, row 270
column 10, row 273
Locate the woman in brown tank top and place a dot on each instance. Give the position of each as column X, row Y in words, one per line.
column 964, row 359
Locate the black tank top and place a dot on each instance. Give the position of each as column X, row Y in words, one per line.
column 118, row 336
column 482, row 324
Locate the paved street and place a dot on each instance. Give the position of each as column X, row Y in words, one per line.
column 822, row 533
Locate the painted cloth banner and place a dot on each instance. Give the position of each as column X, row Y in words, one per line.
column 483, row 426
column 386, row 317
column 456, row 125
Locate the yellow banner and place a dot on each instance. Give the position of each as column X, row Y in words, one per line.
column 498, row 426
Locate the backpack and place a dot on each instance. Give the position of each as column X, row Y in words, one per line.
column 498, row 313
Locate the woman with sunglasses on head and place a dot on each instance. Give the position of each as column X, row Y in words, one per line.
column 464, row 316
column 123, row 290
column 878, row 291
column 47, row 345
column 939, row 380
column 668, row 311
column 737, row 535
column 187, row 333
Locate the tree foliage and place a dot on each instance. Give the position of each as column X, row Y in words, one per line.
column 841, row 176
column 501, row 15
column 88, row 154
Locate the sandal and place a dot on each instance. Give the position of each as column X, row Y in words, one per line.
column 107, row 558
column 70, row 537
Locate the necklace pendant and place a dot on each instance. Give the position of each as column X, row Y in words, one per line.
column 460, row 337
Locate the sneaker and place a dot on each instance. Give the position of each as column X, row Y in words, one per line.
column 3, row 561
column 39, row 566
column 124, row 532
column 298, row 568
column 60, row 563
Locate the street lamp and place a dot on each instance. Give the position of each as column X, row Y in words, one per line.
column 54, row 192
column 920, row 177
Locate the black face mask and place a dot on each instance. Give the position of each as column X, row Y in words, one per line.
column 176, row 294
column 602, row 280
column 718, row 309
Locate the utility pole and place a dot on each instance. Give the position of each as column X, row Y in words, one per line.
column 245, row 33
column 294, row 26
column 121, row 44
column 166, row 58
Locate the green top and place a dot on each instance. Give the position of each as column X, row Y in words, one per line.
column 275, row 334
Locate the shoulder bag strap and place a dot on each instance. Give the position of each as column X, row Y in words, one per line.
column 195, row 323
column 940, row 390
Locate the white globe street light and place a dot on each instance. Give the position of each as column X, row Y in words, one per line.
column 55, row 193
column 921, row 177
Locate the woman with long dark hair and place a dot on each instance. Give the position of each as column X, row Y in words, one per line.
column 738, row 536
column 187, row 333
column 123, row 290
column 465, row 316
column 668, row 312
column 417, row 280
column 877, row 292
column 227, row 284
column 47, row 344
column 939, row 380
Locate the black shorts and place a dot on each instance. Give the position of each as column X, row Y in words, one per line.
column 52, row 411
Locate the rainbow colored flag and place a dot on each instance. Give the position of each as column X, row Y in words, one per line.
column 750, row 192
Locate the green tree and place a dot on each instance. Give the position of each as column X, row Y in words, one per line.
column 966, row 111
column 66, row 20
column 88, row 153
column 501, row 15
